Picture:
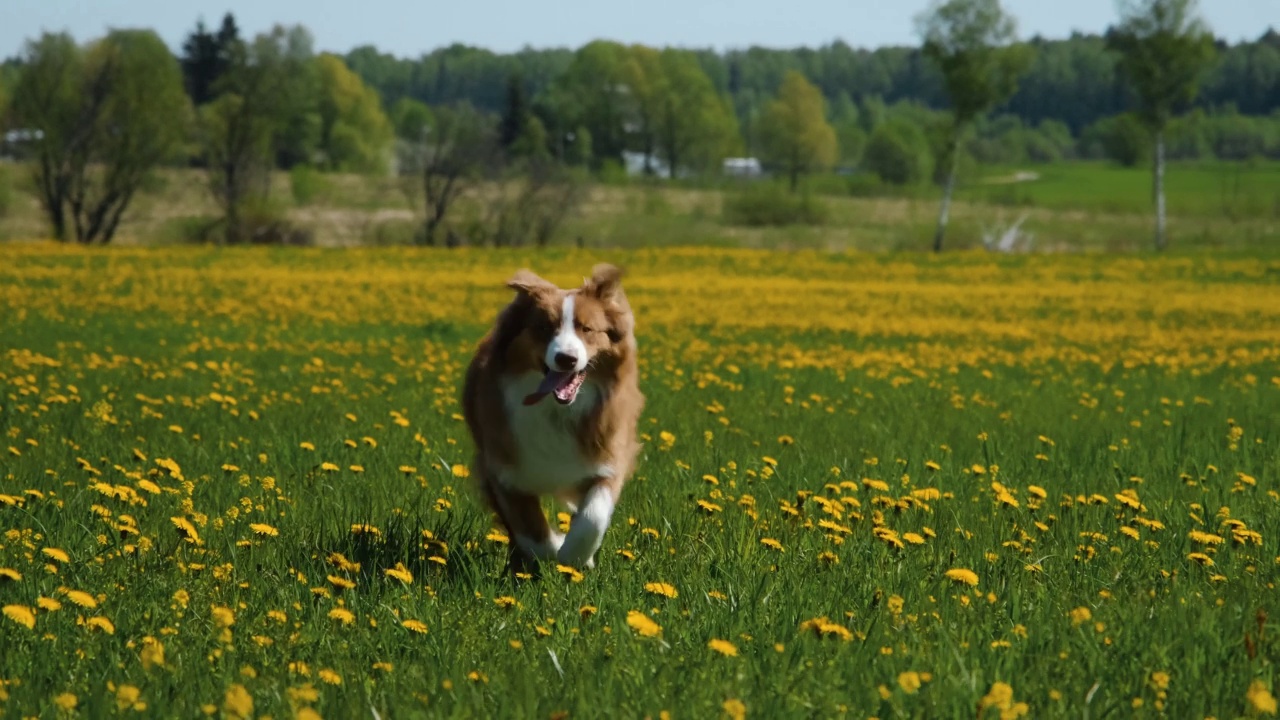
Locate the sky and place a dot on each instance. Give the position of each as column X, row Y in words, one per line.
column 413, row 27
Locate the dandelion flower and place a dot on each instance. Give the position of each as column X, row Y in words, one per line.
column 238, row 703
column 342, row 615
column 82, row 598
column 415, row 626
column 963, row 575
column 152, row 654
column 771, row 543
column 48, row 604
column 1260, row 698
column 329, row 676
column 909, row 681
column 10, row 574
column 642, row 624
column 461, row 471
column 1080, row 616
column 663, row 589
column 102, row 624
column 56, row 554
column 401, row 573
column 22, row 615
column 724, row 647
column 67, row 701
column 223, row 617
column 263, row 529
column 340, row 582
column 735, row 709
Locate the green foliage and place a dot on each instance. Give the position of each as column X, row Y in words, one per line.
column 6, row 189
column 460, row 150
column 972, row 43
column 1164, row 50
column 694, row 127
column 355, row 134
column 1123, row 139
column 764, row 204
column 593, row 93
column 306, row 184
column 110, row 113
column 898, row 153
column 411, row 119
column 794, row 134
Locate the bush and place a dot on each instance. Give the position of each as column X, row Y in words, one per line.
column 6, row 190
column 898, row 152
column 307, row 184
column 766, row 204
column 1122, row 138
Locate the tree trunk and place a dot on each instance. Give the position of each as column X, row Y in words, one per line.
column 1158, row 188
column 944, row 212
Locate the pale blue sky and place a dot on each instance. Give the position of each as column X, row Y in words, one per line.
column 409, row 27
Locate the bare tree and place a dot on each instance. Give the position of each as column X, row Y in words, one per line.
column 457, row 151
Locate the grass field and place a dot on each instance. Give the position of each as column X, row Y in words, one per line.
column 1070, row 207
column 873, row 486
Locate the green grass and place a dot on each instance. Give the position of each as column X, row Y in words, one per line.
column 781, row 376
column 1225, row 191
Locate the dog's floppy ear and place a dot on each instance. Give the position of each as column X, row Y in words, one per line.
column 526, row 282
column 605, row 282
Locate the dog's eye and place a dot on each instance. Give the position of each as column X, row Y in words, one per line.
column 587, row 328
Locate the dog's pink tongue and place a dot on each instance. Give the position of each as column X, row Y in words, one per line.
column 550, row 382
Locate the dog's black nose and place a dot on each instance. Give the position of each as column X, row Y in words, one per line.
column 565, row 361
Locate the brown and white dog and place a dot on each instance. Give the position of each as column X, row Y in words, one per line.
column 552, row 400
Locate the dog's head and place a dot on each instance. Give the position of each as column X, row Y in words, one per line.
column 568, row 334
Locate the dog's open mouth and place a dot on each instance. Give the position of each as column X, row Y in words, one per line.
column 564, row 385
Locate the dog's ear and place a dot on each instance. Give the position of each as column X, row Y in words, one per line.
column 526, row 282
column 605, row 282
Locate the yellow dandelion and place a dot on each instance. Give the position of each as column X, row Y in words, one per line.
column 1260, row 698
column 661, row 588
column 237, row 702
column 329, row 677
column 102, row 624
column 342, row 615
column 461, row 471
column 223, row 617
column 642, row 624
column 49, row 604
column 82, row 598
column 384, row 666
column 152, row 654
column 909, row 681
column 340, row 582
column 724, row 647
column 56, row 554
column 771, row 543
column 67, row 701
column 263, row 529
column 328, row 467
column 401, row 573
column 735, row 709
column 186, row 529
column 962, row 575
column 10, row 574
column 1080, row 616
column 415, row 626
column 506, row 601
column 22, row 615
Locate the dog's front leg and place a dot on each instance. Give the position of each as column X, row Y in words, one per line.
column 586, row 530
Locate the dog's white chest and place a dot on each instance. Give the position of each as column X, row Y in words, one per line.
column 548, row 456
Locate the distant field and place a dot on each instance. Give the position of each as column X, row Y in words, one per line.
column 1228, row 191
column 1071, row 207
column 232, row 483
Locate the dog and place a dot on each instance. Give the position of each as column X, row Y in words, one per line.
column 552, row 401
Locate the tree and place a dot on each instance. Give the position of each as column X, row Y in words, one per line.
column 694, row 126
column 515, row 117
column 354, row 132
column 410, row 118
column 109, row 114
column 898, row 152
column 206, row 57
column 1164, row 50
column 238, row 130
column 794, row 133
column 297, row 131
column 594, row 93
column 458, row 150
column 972, row 44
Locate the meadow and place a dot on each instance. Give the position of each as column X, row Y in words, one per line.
column 233, row 483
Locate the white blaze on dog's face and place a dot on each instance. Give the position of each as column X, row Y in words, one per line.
column 564, row 334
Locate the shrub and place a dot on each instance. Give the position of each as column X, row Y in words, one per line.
column 6, row 190
column 766, row 204
column 1122, row 138
column 898, row 152
column 306, row 183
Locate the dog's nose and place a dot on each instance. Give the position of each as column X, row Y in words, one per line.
column 566, row 361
